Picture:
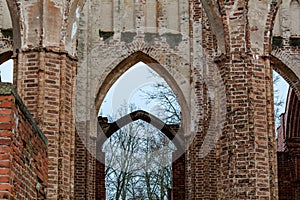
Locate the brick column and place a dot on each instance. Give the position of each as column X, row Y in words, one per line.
column 45, row 81
column 100, row 177
column 91, row 169
column 80, row 169
column 178, row 179
column 286, row 176
column 247, row 146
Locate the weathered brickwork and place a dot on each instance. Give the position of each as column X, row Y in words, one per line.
column 217, row 56
column 23, row 164
column 45, row 81
column 6, row 47
column 100, row 180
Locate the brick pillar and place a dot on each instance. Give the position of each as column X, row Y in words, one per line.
column 247, row 146
column 178, row 179
column 45, row 81
column 80, row 169
column 100, row 177
column 91, row 169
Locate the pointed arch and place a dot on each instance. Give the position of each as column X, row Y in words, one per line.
column 5, row 56
column 150, row 119
column 286, row 65
column 130, row 61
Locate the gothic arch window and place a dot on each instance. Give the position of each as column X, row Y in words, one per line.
column 149, row 128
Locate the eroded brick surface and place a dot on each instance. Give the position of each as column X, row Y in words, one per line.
column 23, row 150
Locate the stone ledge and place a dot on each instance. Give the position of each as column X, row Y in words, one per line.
column 8, row 89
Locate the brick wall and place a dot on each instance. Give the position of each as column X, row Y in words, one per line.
column 286, row 176
column 23, row 150
column 100, row 180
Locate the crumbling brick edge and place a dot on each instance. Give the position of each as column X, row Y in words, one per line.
column 8, row 89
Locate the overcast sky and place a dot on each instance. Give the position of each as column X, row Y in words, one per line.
column 6, row 70
column 127, row 89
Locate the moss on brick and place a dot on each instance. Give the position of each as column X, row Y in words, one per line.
column 127, row 36
column 6, row 88
column 173, row 39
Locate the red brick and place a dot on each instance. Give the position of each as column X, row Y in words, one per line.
column 4, row 119
column 5, row 187
column 5, row 104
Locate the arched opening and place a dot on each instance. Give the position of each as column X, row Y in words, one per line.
column 145, row 172
column 126, row 64
column 145, row 102
column 138, row 156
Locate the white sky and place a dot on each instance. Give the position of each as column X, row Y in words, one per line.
column 6, row 70
column 127, row 89
column 283, row 87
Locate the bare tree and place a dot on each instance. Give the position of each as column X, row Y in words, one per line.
column 138, row 162
column 138, row 157
column 161, row 94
